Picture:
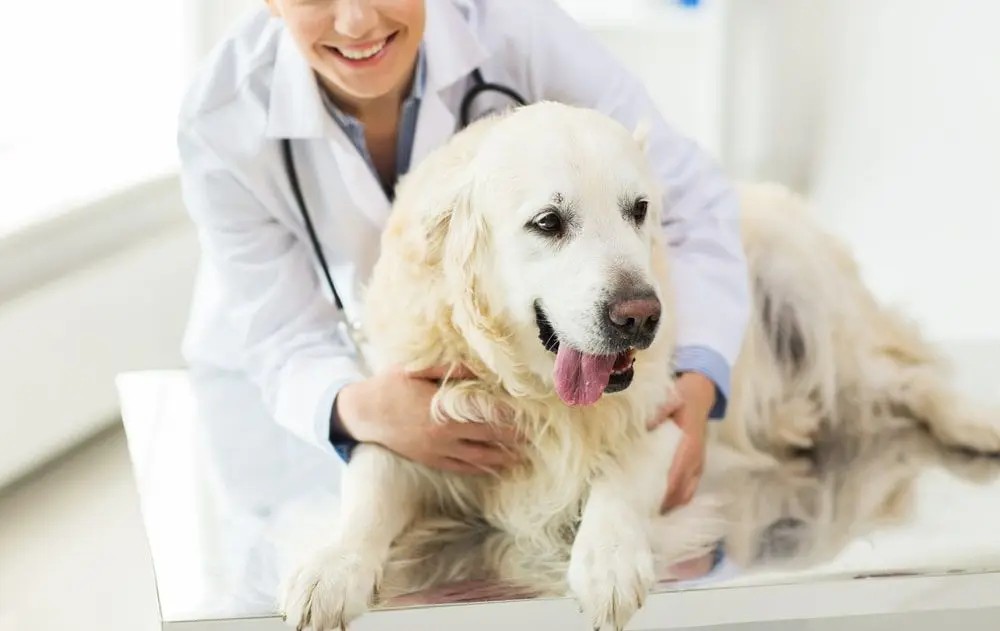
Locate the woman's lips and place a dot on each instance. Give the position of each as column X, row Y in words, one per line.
column 364, row 54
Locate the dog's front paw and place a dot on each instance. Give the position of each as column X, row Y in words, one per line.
column 330, row 590
column 610, row 572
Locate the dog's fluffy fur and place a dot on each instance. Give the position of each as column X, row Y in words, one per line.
column 457, row 282
column 821, row 352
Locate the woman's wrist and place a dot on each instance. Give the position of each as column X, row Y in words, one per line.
column 348, row 416
column 698, row 392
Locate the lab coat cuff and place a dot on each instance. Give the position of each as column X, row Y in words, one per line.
column 711, row 363
column 305, row 399
column 342, row 443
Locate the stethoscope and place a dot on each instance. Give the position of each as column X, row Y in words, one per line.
column 351, row 331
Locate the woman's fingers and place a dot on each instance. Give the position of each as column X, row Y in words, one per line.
column 456, row 466
column 664, row 413
column 489, row 433
column 484, row 455
column 456, row 371
column 680, row 495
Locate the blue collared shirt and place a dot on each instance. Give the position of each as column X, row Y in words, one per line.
column 710, row 363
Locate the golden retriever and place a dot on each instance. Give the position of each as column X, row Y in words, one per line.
column 529, row 249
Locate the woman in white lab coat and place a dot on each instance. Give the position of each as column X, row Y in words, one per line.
column 365, row 88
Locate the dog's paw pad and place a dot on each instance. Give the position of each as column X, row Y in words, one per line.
column 329, row 591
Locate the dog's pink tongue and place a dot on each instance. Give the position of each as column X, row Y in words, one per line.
column 581, row 379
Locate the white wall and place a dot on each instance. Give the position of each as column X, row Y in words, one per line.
column 910, row 156
column 890, row 121
column 774, row 87
column 207, row 22
column 105, row 299
column 677, row 53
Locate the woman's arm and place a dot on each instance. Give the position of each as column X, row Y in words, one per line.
column 289, row 345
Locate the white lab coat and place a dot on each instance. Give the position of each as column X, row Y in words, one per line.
column 260, row 305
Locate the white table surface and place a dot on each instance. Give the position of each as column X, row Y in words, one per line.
column 213, row 471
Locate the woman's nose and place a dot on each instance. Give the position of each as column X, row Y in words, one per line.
column 355, row 18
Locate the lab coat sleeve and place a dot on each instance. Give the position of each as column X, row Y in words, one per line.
column 563, row 62
column 288, row 343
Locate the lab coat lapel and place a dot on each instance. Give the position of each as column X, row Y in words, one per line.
column 361, row 183
column 296, row 111
column 453, row 52
column 435, row 124
column 295, row 108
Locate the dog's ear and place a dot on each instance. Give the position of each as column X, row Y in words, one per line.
column 443, row 190
column 463, row 247
column 436, row 227
column 453, row 232
column 465, row 231
column 449, row 228
column 641, row 134
column 465, row 261
column 467, row 268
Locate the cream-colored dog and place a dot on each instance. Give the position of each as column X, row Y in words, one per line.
column 529, row 249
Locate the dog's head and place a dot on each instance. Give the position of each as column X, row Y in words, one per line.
column 550, row 241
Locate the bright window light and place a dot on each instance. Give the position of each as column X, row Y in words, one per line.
column 90, row 100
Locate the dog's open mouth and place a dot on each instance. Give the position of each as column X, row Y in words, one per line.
column 580, row 378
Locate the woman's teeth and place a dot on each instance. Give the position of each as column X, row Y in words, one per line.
column 360, row 54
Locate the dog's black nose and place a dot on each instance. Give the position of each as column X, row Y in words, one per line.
column 635, row 318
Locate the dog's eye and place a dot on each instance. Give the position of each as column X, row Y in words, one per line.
column 639, row 211
column 548, row 223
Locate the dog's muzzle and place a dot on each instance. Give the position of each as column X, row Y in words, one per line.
column 622, row 373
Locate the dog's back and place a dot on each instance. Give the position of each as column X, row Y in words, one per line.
column 821, row 353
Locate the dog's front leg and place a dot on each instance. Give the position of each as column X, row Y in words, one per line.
column 611, row 566
column 341, row 580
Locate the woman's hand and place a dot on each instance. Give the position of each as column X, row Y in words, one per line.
column 393, row 409
column 689, row 410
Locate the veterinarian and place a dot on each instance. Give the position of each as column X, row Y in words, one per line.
column 363, row 89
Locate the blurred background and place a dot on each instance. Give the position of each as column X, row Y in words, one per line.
column 884, row 113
